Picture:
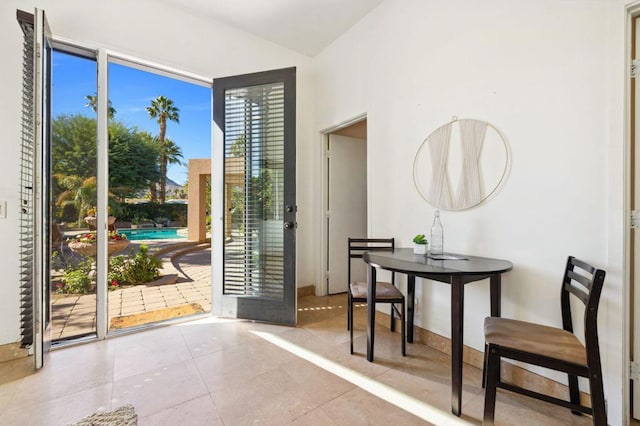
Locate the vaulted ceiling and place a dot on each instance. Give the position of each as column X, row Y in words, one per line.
column 306, row 26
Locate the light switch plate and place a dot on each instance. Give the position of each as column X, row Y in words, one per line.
column 3, row 209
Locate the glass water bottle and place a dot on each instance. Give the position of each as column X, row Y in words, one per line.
column 437, row 235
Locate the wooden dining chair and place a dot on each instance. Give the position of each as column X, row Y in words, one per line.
column 554, row 348
column 386, row 292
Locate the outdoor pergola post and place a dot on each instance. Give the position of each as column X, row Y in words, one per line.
column 199, row 171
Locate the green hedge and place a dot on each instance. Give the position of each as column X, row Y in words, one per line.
column 151, row 211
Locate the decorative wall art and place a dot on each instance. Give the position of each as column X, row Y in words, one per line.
column 461, row 164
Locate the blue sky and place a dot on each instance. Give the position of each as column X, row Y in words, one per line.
column 130, row 92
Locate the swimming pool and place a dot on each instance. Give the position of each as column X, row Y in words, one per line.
column 154, row 233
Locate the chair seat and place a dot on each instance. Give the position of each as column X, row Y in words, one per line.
column 535, row 338
column 384, row 290
column 551, row 347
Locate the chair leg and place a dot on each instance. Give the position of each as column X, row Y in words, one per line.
column 493, row 376
column 349, row 309
column 484, row 365
column 597, row 397
column 574, row 392
column 403, row 330
column 351, row 340
column 350, row 324
column 392, row 325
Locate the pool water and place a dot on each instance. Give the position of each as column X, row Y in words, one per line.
column 152, row 233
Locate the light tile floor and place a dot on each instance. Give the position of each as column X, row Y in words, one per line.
column 228, row 372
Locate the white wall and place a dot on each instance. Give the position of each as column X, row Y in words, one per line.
column 549, row 74
column 543, row 73
column 616, row 295
column 154, row 32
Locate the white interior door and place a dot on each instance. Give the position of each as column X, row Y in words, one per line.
column 347, row 207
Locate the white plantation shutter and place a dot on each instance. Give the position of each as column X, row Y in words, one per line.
column 27, row 166
column 254, row 141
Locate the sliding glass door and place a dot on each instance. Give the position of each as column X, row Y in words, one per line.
column 72, row 177
column 41, row 211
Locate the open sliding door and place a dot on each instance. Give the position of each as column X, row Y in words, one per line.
column 42, row 215
column 254, row 118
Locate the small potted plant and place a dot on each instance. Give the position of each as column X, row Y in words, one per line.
column 420, row 244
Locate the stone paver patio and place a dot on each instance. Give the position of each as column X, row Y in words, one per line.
column 75, row 315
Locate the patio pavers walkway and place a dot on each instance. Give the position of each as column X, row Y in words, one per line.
column 75, row 315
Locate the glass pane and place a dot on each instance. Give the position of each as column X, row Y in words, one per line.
column 158, row 126
column 254, row 170
column 72, row 196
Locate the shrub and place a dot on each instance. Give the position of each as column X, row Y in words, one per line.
column 133, row 269
column 174, row 212
column 60, row 261
column 144, row 267
column 77, row 280
column 139, row 268
column 117, row 269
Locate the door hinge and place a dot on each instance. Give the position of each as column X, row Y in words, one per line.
column 634, row 219
column 634, row 370
column 635, row 68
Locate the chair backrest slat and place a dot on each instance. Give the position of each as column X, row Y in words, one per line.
column 358, row 246
column 372, row 240
column 579, row 292
column 579, row 279
column 585, row 282
column 582, row 279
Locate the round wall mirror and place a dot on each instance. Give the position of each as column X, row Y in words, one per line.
column 461, row 164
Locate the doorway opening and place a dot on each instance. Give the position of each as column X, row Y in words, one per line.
column 157, row 122
column 345, row 201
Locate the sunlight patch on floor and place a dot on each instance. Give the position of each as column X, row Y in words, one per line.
column 382, row 391
column 208, row 320
column 319, row 308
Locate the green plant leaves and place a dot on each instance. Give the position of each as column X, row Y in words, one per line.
column 420, row 239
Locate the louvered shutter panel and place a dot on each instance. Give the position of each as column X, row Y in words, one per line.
column 27, row 166
column 254, row 170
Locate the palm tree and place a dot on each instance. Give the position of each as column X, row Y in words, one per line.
column 80, row 191
column 162, row 109
column 171, row 152
column 92, row 102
